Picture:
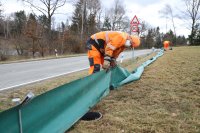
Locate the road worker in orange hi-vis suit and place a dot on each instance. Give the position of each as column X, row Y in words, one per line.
column 166, row 44
column 104, row 48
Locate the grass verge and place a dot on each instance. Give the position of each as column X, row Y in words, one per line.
column 16, row 59
column 165, row 100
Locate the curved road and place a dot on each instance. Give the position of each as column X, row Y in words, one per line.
column 18, row 74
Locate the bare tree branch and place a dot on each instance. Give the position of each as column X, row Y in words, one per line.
column 31, row 5
column 192, row 13
column 50, row 6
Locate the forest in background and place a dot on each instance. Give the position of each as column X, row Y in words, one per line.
column 31, row 35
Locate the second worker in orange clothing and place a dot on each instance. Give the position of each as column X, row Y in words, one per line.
column 104, row 48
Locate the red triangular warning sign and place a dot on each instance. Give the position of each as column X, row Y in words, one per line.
column 135, row 21
column 134, row 28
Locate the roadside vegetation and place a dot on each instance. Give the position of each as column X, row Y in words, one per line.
column 25, row 35
column 13, row 59
column 166, row 99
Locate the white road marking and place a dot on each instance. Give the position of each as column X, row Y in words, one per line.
column 42, row 79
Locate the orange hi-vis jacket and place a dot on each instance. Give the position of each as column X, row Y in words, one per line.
column 102, row 44
column 166, row 44
column 112, row 41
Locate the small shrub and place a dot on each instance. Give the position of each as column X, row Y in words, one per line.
column 3, row 57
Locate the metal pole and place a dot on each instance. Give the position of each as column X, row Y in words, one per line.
column 20, row 121
column 133, row 54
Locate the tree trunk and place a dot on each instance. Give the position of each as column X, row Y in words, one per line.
column 33, row 49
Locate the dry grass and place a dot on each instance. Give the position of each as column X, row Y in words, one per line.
column 165, row 100
column 13, row 59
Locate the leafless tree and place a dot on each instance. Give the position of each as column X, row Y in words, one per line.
column 1, row 19
column 46, row 7
column 116, row 14
column 20, row 43
column 93, row 6
column 192, row 15
column 6, row 26
column 61, row 36
column 143, row 27
column 0, row 9
column 33, row 32
column 172, row 17
column 83, row 18
column 1, row 46
column 125, row 24
column 4, row 48
column 167, row 12
column 99, row 23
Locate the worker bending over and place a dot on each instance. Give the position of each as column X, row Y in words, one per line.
column 104, row 48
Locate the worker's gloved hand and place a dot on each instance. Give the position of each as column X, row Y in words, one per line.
column 106, row 65
column 113, row 62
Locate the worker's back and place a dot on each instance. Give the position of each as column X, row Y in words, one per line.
column 166, row 44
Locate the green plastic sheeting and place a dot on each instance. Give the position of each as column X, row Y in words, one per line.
column 57, row 110
column 135, row 75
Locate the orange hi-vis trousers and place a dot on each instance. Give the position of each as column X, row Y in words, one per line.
column 96, row 59
column 166, row 44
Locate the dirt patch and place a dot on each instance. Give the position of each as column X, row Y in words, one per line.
column 166, row 99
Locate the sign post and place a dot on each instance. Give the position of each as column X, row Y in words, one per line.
column 134, row 30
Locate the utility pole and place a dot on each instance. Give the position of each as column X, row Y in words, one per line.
column 166, row 24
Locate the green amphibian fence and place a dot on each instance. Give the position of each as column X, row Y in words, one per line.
column 57, row 110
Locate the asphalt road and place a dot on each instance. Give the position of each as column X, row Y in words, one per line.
column 17, row 74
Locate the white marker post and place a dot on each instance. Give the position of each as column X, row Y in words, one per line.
column 153, row 49
column 56, row 52
column 133, row 54
column 121, row 58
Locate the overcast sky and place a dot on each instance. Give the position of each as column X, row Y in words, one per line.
column 147, row 10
